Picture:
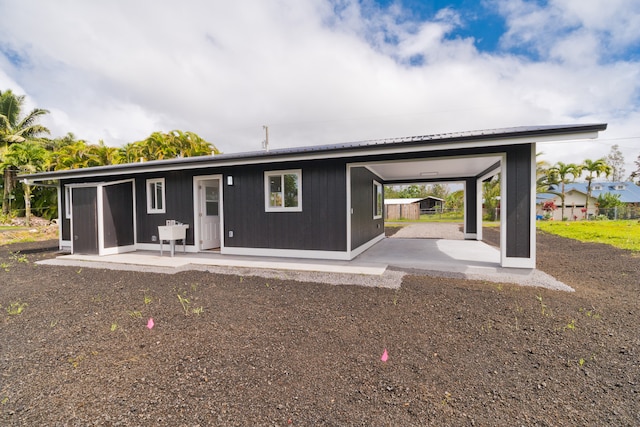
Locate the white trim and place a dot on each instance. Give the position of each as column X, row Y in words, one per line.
column 60, row 220
column 363, row 247
column 118, row 250
column 196, row 208
column 65, row 244
column 471, row 236
column 377, row 185
column 503, row 209
column 267, row 190
column 512, row 262
column 532, row 212
column 478, row 209
column 151, row 195
column 67, row 202
column 287, row 253
column 100, row 218
column 349, row 208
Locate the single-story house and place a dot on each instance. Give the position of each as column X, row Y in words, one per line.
column 411, row 208
column 576, row 196
column 311, row 202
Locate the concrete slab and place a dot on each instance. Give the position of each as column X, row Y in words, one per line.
column 463, row 259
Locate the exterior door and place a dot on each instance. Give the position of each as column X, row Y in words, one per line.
column 209, row 215
column 84, row 220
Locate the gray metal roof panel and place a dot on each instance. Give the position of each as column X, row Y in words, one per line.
column 502, row 133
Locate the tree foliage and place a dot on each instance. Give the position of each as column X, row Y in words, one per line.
column 615, row 160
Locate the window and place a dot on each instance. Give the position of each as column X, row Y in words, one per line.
column 67, row 202
column 283, row 191
column 597, row 187
column 377, row 200
column 155, row 196
column 620, row 187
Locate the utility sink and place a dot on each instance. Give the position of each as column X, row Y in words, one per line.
column 172, row 233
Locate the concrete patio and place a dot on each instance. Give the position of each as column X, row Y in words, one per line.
column 436, row 257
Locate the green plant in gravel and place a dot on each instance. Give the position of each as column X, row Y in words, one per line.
column 571, row 325
column 5, row 266
column 136, row 314
column 147, row 298
column 16, row 308
column 114, row 327
column 18, row 257
column 590, row 313
column 185, row 301
column 543, row 307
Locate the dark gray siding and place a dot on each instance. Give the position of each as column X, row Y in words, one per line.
column 117, row 211
column 85, row 224
column 363, row 226
column 471, row 206
column 64, row 221
column 179, row 204
column 519, row 201
column 321, row 225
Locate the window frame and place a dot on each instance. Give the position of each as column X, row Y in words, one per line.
column 151, row 196
column 267, row 190
column 378, row 209
column 67, row 202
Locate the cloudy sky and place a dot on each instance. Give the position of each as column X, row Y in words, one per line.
column 327, row 71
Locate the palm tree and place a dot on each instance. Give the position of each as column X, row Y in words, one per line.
column 594, row 169
column 561, row 174
column 27, row 157
column 16, row 129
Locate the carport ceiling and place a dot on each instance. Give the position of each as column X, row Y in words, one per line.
column 433, row 169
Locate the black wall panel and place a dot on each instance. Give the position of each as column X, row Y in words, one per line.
column 363, row 226
column 85, row 223
column 117, row 207
column 519, row 201
column 321, row 225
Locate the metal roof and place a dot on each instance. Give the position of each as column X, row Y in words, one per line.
column 423, row 142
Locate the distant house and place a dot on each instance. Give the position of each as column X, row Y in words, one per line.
column 576, row 197
column 411, row 208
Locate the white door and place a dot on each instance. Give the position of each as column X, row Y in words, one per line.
column 209, row 215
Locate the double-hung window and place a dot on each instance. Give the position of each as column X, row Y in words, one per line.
column 283, row 190
column 155, row 196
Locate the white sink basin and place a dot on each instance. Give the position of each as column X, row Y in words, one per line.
column 172, row 232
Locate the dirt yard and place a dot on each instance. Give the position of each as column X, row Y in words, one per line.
column 75, row 347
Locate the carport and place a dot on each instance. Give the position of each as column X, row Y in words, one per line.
column 470, row 158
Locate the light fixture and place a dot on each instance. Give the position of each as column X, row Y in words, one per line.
column 428, row 173
column 229, row 180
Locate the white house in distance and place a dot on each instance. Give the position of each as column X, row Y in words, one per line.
column 576, row 197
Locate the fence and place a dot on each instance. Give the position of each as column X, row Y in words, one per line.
column 619, row 212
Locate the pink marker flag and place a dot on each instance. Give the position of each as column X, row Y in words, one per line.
column 385, row 356
column 150, row 323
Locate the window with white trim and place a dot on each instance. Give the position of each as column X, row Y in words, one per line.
column 67, row 202
column 283, row 191
column 377, row 200
column 155, row 196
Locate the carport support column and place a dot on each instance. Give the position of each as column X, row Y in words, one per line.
column 517, row 207
column 472, row 199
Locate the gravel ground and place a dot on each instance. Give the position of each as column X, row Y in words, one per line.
column 240, row 350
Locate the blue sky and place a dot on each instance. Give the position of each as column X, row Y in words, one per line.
column 326, row 71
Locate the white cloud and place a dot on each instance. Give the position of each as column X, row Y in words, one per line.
column 316, row 71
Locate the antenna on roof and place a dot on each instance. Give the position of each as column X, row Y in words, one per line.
column 265, row 143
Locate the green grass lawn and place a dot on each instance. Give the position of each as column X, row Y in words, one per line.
column 621, row 234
